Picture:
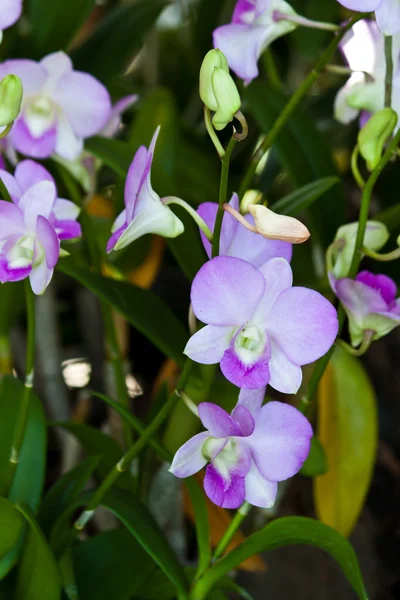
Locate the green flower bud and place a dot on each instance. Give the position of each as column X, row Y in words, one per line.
column 251, row 197
column 227, row 97
column 213, row 59
column 374, row 135
column 10, row 99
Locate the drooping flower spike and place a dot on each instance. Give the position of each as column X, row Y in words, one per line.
column 259, row 328
column 370, row 303
column 144, row 210
column 10, row 12
column 363, row 50
column 387, row 12
column 60, row 108
column 64, row 213
column 236, row 240
column 249, row 451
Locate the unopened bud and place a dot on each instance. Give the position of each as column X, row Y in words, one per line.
column 213, row 59
column 374, row 135
column 278, row 227
column 251, row 197
column 10, row 99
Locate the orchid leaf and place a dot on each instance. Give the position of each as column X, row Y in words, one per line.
column 316, row 463
column 11, row 527
column 304, row 197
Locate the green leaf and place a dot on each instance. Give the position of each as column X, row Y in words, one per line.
column 115, row 154
column 287, row 531
column 12, row 305
column 305, row 155
column 316, row 463
column 11, row 527
column 38, row 577
column 114, row 565
column 55, row 23
column 29, row 478
column 64, row 491
column 304, row 197
column 120, row 35
column 203, row 534
column 143, row 309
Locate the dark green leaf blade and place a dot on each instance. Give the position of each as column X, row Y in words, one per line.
column 11, row 527
column 316, row 463
column 304, row 197
column 116, row 154
column 287, row 531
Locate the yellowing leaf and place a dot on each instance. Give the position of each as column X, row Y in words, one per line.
column 348, row 431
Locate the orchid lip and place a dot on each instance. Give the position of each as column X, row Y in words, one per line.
column 249, row 343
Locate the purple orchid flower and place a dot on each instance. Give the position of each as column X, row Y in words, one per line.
column 63, row 213
column 249, row 451
column 144, row 210
column 10, row 12
column 29, row 246
column 387, row 12
column 370, row 303
column 236, row 240
column 259, row 327
column 363, row 50
column 61, row 107
column 253, row 28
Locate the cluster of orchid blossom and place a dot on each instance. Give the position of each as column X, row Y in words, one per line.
column 258, row 326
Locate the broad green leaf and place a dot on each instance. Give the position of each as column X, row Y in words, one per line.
column 143, row 309
column 348, row 430
column 11, row 527
column 118, row 38
column 287, row 531
column 55, row 23
column 29, row 477
column 38, row 577
column 116, row 154
column 316, row 461
column 114, row 565
column 304, row 154
column 304, row 197
column 64, row 491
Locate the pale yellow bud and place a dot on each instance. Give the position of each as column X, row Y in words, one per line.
column 278, row 227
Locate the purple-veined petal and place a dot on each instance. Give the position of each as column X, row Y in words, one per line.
column 286, row 377
column 226, row 291
column 281, row 441
column 145, row 191
column 253, row 376
column 114, row 122
column 251, row 399
column 32, row 74
column 218, row 422
column 134, row 179
column 69, row 144
column 11, row 220
column 259, row 491
column 37, row 200
column 244, row 419
column 85, row 101
column 24, row 142
column 304, row 324
column 12, row 185
column 207, row 346
column 359, row 298
column 48, row 239
column 189, row 459
column 241, row 45
column 29, row 172
column 226, row 494
column 278, row 277
column 388, row 17
column 10, row 12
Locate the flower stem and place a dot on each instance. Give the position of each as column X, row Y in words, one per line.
column 23, row 413
column 234, row 525
column 365, row 344
column 354, row 167
column 211, row 132
column 294, row 102
column 303, row 22
column 389, row 70
column 223, row 189
column 124, row 463
column 195, row 216
column 382, row 257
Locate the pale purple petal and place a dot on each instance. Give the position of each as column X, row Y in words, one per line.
column 11, row 220
column 226, row 291
column 40, row 277
column 85, row 101
column 114, row 122
column 241, row 45
column 32, row 74
column 253, row 376
column 134, row 179
column 37, row 200
column 286, row 377
column 67, row 230
column 29, row 172
column 281, row 441
column 189, row 459
column 57, row 64
column 218, row 422
column 383, row 284
column 226, row 494
column 230, row 225
column 244, row 419
column 259, row 491
column 47, row 237
column 69, row 144
column 361, row 5
column 278, row 277
column 11, row 184
column 207, row 346
column 361, row 47
column 359, row 298
column 145, row 190
column 65, row 210
column 304, row 324
column 388, row 17
column 24, row 142
column 10, row 12
column 251, row 399
column 115, row 237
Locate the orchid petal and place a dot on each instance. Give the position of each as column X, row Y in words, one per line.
column 286, row 377
column 226, row 494
column 29, row 172
column 259, row 491
column 189, row 459
column 218, row 422
column 278, row 277
column 207, row 346
column 251, row 399
column 37, row 200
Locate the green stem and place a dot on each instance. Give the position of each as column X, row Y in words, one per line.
column 382, row 257
column 365, row 344
column 223, row 189
column 389, row 70
column 271, row 68
column 354, row 167
column 195, row 216
column 124, row 463
column 211, row 132
column 294, row 102
column 23, row 413
column 234, row 525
